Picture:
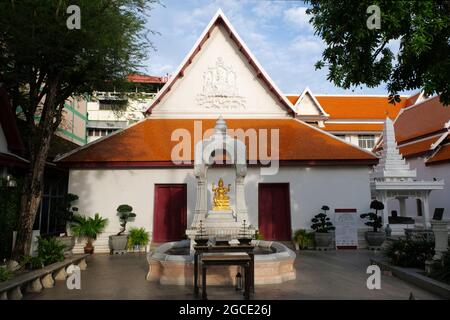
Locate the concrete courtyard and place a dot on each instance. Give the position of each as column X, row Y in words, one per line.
column 320, row 275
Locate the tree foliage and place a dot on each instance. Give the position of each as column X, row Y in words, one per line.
column 43, row 63
column 375, row 221
column 125, row 213
column 356, row 55
column 321, row 222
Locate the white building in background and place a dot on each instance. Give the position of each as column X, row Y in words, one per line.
column 109, row 111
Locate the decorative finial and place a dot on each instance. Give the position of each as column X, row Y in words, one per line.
column 221, row 125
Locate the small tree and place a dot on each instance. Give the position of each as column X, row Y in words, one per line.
column 44, row 63
column 321, row 222
column 125, row 213
column 374, row 220
column 65, row 210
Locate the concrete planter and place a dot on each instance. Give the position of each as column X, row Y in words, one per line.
column 68, row 242
column 323, row 240
column 118, row 243
column 375, row 239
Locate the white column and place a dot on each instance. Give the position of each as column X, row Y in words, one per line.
column 384, row 200
column 402, row 203
column 440, row 237
column 201, row 203
column 426, row 210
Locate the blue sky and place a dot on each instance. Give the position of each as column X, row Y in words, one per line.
column 277, row 32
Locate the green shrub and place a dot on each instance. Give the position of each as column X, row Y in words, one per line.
column 88, row 227
column 5, row 274
column 303, row 238
column 410, row 253
column 125, row 214
column 258, row 235
column 31, row 263
column 441, row 269
column 321, row 223
column 50, row 250
column 375, row 221
column 64, row 211
column 138, row 236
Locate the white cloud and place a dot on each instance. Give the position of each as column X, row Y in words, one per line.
column 267, row 9
column 297, row 17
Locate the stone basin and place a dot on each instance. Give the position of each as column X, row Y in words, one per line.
column 172, row 264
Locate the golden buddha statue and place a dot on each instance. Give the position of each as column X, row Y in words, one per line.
column 221, row 201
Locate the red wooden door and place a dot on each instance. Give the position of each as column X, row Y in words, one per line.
column 274, row 211
column 169, row 215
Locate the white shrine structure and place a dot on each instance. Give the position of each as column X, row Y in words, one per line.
column 219, row 149
column 392, row 178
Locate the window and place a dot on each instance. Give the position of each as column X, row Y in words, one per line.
column 340, row 136
column 100, row 132
column 366, row 141
column 113, row 105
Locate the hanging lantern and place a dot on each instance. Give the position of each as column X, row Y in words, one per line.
column 239, row 284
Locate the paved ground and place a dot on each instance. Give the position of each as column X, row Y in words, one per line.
column 320, row 275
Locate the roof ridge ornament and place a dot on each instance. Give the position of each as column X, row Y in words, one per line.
column 221, row 125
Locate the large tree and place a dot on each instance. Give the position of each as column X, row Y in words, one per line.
column 45, row 59
column 356, row 54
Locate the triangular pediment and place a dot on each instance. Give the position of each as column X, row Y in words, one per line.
column 308, row 106
column 220, row 76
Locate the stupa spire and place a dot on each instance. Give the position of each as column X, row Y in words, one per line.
column 392, row 165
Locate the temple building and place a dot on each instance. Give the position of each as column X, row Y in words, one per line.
column 293, row 162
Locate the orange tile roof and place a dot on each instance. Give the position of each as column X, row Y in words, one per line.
column 417, row 148
column 150, row 141
column 347, row 127
column 422, row 119
column 412, row 99
column 359, row 107
column 142, row 78
column 293, row 99
column 443, row 155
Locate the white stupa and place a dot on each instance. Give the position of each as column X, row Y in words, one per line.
column 393, row 178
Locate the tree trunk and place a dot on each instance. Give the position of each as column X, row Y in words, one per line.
column 32, row 191
column 30, row 200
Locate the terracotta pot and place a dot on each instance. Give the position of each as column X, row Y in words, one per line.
column 89, row 248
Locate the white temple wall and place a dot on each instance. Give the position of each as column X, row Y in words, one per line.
column 310, row 187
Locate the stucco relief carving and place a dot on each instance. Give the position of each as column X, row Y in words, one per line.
column 219, row 88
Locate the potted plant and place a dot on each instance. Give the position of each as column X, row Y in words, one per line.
column 137, row 238
column 258, row 235
column 65, row 212
column 302, row 239
column 118, row 242
column 376, row 237
column 321, row 225
column 88, row 228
